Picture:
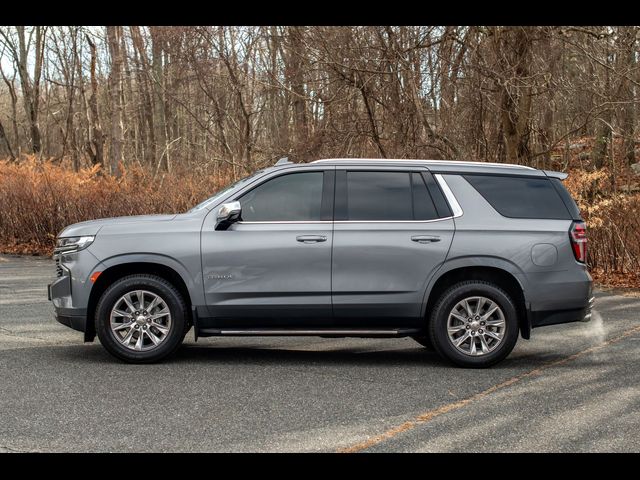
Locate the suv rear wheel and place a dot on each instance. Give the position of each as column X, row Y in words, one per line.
column 474, row 324
column 141, row 318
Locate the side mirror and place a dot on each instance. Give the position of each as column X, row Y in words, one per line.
column 228, row 214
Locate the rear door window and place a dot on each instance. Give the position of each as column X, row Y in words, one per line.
column 387, row 196
column 423, row 207
column 379, row 196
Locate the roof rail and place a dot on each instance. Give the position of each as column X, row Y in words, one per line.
column 283, row 161
column 428, row 162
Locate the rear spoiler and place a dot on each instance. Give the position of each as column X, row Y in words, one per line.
column 558, row 175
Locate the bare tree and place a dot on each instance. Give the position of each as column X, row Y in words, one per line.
column 95, row 137
column 626, row 59
column 158, row 85
column 21, row 44
column 233, row 99
column 114, row 38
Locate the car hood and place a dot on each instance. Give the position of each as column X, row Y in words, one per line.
column 92, row 227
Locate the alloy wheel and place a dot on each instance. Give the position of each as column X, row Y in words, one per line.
column 140, row 320
column 476, row 326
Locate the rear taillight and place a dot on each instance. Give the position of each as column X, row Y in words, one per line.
column 578, row 237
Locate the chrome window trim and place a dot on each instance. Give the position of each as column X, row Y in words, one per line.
column 394, row 221
column 347, row 221
column 285, row 222
column 453, row 202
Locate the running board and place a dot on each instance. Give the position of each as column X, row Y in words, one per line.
column 316, row 332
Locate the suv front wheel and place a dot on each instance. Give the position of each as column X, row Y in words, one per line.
column 474, row 324
column 141, row 318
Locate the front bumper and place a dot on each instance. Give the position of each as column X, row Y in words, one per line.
column 59, row 292
column 77, row 322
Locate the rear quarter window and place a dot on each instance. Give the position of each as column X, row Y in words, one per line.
column 521, row 197
column 566, row 197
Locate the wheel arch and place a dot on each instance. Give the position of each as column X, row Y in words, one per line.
column 500, row 272
column 118, row 270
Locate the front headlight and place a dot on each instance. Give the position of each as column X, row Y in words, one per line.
column 73, row 244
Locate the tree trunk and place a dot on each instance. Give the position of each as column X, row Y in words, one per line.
column 546, row 134
column 514, row 53
column 603, row 125
column 146, row 103
column 3, row 137
column 14, row 109
column 626, row 69
column 296, row 82
column 509, row 127
column 67, row 59
column 95, row 144
column 114, row 34
column 31, row 87
column 159, row 118
column 131, row 153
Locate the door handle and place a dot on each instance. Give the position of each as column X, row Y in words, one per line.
column 425, row 238
column 311, row 238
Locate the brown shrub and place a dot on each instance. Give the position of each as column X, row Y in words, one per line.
column 38, row 199
column 613, row 226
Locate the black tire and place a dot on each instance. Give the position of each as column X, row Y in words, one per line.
column 440, row 314
column 425, row 341
column 169, row 294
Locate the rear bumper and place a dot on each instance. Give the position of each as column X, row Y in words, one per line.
column 544, row 318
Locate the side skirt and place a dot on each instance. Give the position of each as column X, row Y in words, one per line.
column 316, row 332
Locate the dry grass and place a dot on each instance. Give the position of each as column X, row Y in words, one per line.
column 38, row 199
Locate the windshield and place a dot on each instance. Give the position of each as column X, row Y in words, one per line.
column 216, row 196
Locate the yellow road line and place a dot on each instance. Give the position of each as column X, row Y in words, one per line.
column 431, row 414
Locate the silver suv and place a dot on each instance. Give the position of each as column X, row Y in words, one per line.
column 461, row 256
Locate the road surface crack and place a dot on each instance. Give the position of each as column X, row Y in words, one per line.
column 9, row 333
column 5, row 449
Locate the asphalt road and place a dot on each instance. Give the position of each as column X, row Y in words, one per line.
column 571, row 388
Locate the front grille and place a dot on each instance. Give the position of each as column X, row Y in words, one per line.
column 56, row 258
